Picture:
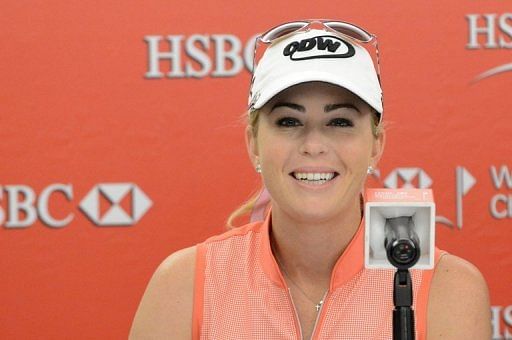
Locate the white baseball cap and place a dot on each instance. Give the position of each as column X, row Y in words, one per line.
column 315, row 55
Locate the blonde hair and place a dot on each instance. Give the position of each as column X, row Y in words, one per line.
column 252, row 121
column 252, row 118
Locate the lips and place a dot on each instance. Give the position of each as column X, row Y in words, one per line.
column 314, row 178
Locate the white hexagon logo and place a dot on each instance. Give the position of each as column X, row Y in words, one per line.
column 408, row 176
column 115, row 193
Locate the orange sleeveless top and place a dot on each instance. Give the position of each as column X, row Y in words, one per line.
column 240, row 293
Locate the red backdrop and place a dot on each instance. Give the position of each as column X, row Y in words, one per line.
column 110, row 162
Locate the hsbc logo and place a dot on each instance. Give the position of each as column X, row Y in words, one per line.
column 115, row 194
column 408, row 178
column 105, row 205
column 490, row 31
column 198, row 56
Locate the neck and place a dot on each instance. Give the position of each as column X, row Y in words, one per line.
column 308, row 250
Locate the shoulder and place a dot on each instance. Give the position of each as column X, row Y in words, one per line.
column 458, row 301
column 254, row 227
column 165, row 310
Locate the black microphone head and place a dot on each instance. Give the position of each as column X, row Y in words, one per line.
column 401, row 242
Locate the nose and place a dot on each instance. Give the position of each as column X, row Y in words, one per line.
column 313, row 143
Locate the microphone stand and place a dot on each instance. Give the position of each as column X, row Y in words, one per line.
column 403, row 314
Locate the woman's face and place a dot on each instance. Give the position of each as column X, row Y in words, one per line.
column 314, row 142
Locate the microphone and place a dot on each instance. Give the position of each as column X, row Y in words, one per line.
column 401, row 242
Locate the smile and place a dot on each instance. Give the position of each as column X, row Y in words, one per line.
column 315, row 178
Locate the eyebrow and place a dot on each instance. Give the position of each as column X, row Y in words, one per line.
column 327, row 108
column 332, row 107
column 292, row 106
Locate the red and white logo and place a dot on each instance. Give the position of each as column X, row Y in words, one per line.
column 408, row 178
column 103, row 205
column 115, row 193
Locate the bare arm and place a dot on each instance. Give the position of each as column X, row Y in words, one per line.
column 165, row 311
column 458, row 302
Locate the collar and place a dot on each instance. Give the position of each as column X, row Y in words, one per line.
column 347, row 266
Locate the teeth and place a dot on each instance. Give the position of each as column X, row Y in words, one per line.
column 314, row 178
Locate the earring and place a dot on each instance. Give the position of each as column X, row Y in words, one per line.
column 258, row 168
column 370, row 170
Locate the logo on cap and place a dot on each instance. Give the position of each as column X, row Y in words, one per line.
column 322, row 46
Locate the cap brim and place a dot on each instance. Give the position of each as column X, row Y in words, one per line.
column 280, row 84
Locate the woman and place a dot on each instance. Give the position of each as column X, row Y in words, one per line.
column 314, row 133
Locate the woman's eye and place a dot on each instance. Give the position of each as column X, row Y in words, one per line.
column 288, row 121
column 343, row 122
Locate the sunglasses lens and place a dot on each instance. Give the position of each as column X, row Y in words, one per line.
column 282, row 30
column 350, row 30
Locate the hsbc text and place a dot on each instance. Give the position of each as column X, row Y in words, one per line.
column 501, row 318
column 496, row 29
column 24, row 207
column 197, row 56
column 24, row 212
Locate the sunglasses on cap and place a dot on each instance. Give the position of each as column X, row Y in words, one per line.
column 344, row 29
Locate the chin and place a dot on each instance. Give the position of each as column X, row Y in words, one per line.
column 324, row 210
column 315, row 215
